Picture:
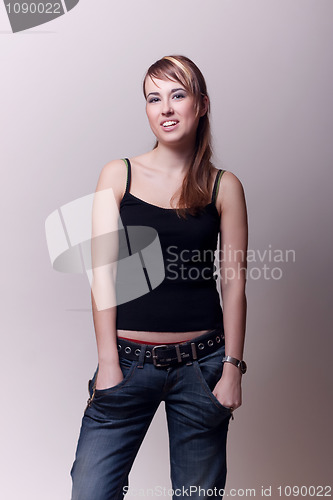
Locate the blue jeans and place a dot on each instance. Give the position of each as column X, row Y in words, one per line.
column 114, row 426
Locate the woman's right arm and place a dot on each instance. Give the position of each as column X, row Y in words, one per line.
column 104, row 254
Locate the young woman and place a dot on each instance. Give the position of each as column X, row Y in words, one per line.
column 170, row 341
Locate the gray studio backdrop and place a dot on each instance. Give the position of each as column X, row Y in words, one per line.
column 70, row 102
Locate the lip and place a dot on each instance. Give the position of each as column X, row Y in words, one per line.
column 171, row 127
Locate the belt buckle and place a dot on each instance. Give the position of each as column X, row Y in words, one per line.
column 153, row 351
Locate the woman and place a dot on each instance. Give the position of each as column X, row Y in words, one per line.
column 170, row 341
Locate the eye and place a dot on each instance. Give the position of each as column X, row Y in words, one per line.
column 153, row 99
column 179, row 96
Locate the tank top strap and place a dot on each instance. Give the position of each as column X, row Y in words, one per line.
column 128, row 182
column 217, row 184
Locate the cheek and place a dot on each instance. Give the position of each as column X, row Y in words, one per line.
column 152, row 116
column 189, row 113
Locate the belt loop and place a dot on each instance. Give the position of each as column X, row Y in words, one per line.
column 142, row 355
column 179, row 356
column 194, row 351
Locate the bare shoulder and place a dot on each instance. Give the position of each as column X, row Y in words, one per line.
column 230, row 193
column 143, row 161
column 113, row 175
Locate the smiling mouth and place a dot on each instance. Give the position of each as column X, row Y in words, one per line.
column 169, row 123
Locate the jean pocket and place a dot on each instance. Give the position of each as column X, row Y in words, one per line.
column 127, row 367
column 209, row 370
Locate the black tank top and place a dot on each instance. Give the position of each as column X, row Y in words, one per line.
column 182, row 298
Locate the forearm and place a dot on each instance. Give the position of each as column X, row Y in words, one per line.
column 228, row 389
column 234, row 318
column 104, row 310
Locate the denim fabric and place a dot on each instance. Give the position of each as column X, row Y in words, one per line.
column 114, row 425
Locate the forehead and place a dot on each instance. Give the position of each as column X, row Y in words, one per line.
column 161, row 85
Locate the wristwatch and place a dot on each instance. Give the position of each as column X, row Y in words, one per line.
column 240, row 364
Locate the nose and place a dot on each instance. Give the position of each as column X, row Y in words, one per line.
column 167, row 108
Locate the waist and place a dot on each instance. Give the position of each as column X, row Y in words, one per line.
column 170, row 311
column 154, row 338
column 165, row 355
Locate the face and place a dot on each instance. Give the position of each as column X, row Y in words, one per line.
column 171, row 111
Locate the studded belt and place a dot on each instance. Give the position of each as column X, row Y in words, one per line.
column 163, row 356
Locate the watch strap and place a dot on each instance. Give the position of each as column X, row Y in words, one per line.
column 237, row 362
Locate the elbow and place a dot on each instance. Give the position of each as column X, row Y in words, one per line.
column 236, row 286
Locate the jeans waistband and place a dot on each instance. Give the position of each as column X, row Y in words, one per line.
column 163, row 356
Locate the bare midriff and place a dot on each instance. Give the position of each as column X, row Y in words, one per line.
column 160, row 337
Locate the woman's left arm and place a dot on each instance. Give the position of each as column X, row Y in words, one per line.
column 233, row 268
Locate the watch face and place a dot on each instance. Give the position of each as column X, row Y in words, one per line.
column 243, row 367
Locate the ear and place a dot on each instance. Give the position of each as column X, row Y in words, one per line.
column 204, row 105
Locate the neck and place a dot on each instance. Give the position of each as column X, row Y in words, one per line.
column 173, row 159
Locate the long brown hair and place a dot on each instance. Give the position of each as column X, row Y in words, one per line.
column 195, row 192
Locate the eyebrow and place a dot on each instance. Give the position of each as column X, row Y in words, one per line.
column 171, row 92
